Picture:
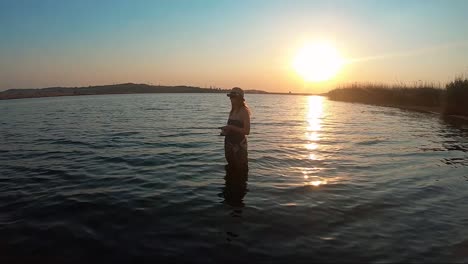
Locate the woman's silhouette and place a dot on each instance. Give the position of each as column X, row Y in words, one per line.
column 238, row 126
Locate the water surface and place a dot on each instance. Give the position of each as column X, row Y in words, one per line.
column 133, row 177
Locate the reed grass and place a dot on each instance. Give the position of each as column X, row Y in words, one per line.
column 456, row 97
column 451, row 99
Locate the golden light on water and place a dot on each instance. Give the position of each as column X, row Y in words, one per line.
column 314, row 115
column 315, row 176
column 314, row 118
column 313, row 136
column 313, row 180
column 311, row 146
column 317, row 183
column 314, row 112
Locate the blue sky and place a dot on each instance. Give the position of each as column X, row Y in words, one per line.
column 226, row 43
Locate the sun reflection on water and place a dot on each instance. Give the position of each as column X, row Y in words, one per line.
column 314, row 119
column 314, row 113
column 313, row 180
column 317, row 183
column 312, row 134
column 311, row 146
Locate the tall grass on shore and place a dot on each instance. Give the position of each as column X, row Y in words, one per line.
column 381, row 94
column 456, row 98
column 451, row 100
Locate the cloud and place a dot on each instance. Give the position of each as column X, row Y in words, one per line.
column 411, row 52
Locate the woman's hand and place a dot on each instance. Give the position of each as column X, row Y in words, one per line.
column 227, row 130
column 223, row 132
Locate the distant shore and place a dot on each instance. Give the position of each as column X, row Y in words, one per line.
column 426, row 98
column 125, row 88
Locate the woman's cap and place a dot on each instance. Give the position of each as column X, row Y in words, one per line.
column 236, row 91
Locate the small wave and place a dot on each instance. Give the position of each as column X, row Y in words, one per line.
column 457, row 147
column 433, row 149
column 456, row 162
column 156, row 109
column 154, row 160
column 371, row 142
column 125, row 134
column 182, row 134
column 68, row 142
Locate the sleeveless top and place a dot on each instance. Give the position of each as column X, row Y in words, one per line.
column 234, row 138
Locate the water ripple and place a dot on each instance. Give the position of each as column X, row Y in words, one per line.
column 121, row 178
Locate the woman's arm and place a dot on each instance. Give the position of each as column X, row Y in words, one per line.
column 246, row 120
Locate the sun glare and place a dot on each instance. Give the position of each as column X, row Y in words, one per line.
column 317, row 62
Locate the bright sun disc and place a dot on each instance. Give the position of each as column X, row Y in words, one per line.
column 317, row 62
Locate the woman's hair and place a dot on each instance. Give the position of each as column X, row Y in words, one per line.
column 244, row 105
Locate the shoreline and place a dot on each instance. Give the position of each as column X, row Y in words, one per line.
column 421, row 109
column 124, row 88
column 123, row 93
column 39, row 94
column 43, row 93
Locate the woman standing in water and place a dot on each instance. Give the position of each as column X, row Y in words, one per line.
column 238, row 126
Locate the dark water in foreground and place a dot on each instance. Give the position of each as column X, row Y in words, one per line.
column 141, row 177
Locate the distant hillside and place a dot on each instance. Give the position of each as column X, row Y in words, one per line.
column 126, row 88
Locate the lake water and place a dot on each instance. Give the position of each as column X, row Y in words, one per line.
column 142, row 177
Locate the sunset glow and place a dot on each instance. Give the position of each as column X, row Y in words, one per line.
column 317, row 62
column 289, row 46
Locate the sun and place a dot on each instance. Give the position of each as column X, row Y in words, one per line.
column 317, row 62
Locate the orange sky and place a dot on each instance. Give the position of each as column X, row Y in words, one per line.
column 250, row 44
